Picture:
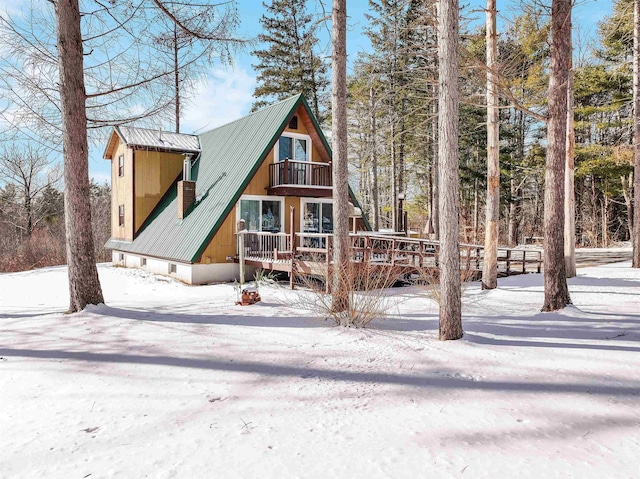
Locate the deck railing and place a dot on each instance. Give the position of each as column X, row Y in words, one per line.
column 381, row 250
column 261, row 246
column 299, row 173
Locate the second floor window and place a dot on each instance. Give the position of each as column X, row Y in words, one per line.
column 121, row 165
column 296, row 149
column 121, row 215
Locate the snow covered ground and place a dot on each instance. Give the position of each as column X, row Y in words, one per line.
column 176, row 381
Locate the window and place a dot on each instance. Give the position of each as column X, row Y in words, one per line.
column 143, row 261
column 121, row 257
column 295, row 147
column 261, row 214
column 172, row 268
column 317, row 217
column 121, row 215
column 121, row 165
column 293, row 124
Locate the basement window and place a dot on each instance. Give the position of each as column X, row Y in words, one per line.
column 121, row 215
column 172, row 268
column 121, row 165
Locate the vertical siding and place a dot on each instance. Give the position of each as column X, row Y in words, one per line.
column 154, row 173
column 122, row 194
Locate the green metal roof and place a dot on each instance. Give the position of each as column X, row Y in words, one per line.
column 230, row 157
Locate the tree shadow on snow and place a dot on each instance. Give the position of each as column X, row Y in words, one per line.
column 220, row 319
column 539, row 330
column 432, row 380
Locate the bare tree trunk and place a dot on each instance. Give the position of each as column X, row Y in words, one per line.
column 605, row 220
column 569, row 191
column 490, row 266
column 340, row 298
column 435, row 203
column 627, row 188
column 513, row 220
column 476, row 211
column 556, row 292
column 374, row 160
column 84, row 285
column 450, row 316
column 28, row 210
column 176, row 73
column 636, row 134
column 394, row 175
column 403, row 135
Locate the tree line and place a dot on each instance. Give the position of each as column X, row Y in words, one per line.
column 32, row 211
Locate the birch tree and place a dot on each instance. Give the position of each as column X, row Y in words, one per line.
column 490, row 266
column 569, row 190
column 450, row 314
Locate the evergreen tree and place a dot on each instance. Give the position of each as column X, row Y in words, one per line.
column 290, row 62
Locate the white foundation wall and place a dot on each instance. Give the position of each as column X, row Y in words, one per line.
column 187, row 273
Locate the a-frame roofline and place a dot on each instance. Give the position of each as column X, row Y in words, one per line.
column 230, row 157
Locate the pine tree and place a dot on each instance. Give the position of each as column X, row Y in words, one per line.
column 450, row 315
column 290, row 62
column 556, row 291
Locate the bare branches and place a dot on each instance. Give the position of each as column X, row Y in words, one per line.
column 128, row 68
column 30, row 171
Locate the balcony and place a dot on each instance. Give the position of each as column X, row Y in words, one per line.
column 300, row 178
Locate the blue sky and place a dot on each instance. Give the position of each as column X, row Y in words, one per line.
column 224, row 94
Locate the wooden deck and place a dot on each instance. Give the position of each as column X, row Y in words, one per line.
column 311, row 254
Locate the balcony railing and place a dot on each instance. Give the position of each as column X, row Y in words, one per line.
column 300, row 173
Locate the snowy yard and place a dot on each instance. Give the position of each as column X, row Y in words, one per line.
column 175, row 381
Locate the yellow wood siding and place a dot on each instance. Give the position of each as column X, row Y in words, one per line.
column 223, row 244
column 122, row 193
column 155, row 172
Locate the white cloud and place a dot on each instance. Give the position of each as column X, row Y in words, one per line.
column 224, row 96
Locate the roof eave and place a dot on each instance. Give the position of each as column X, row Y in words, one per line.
column 115, row 131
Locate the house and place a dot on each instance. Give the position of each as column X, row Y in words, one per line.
column 178, row 200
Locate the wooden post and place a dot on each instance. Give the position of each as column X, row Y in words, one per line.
column 539, row 261
column 241, row 255
column 393, row 253
column 508, row 261
column 287, row 176
column 405, row 223
column 367, row 253
column 292, row 238
column 524, row 261
column 327, row 284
